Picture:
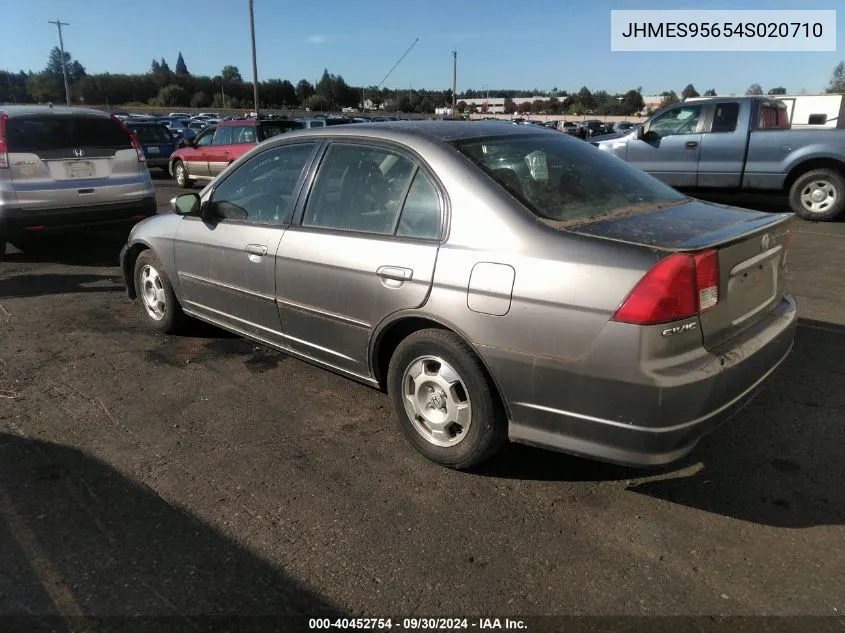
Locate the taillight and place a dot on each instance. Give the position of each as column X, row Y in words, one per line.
column 707, row 279
column 138, row 150
column 678, row 287
column 4, row 148
column 135, row 144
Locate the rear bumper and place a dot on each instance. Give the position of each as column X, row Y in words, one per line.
column 158, row 161
column 15, row 223
column 652, row 422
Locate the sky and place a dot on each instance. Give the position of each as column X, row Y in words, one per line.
column 501, row 44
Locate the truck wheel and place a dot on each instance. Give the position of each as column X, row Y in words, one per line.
column 818, row 195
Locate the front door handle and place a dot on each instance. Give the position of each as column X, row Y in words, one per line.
column 256, row 249
column 691, row 144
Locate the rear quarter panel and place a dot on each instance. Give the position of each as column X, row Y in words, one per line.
column 565, row 287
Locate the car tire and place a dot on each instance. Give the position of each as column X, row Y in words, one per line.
column 180, row 175
column 445, row 402
column 818, row 195
column 159, row 304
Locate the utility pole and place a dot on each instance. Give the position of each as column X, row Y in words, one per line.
column 254, row 62
column 60, row 24
column 454, row 80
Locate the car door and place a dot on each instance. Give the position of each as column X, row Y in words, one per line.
column 722, row 156
column 670, row 145
column 225, row 260
column 220, row 150
column 365, row 247
column 196, row 156
column 241, row 138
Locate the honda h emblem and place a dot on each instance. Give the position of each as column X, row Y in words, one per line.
column 766, row 242
column 79, row 153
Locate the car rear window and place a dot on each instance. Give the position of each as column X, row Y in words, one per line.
column 38, row 133
column 566, row 180
column 269, row 129
column 152, row 134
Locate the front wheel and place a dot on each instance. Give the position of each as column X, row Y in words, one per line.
column 180, row 174
column 161, row 308
column 446, row 405
column 818, row 195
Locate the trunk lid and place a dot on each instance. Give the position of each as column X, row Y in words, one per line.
column 751, row 246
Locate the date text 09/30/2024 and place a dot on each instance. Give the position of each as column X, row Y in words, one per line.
column 417, row 624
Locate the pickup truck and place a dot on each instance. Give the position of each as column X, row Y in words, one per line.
column 739, row 144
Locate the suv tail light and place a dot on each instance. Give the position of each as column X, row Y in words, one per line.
column 4, row 148
column 678, row 287
column 135, row 143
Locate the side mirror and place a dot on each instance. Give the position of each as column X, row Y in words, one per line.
column 640, row 132
column 186, row 204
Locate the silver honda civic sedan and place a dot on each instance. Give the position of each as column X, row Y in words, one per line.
column 498, row 282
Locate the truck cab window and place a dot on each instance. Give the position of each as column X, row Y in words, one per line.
column 725, row 117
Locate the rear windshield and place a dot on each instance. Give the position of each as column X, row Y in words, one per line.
column 151, row 134
column 566, row 180
column 273, row 128
column 32, row 134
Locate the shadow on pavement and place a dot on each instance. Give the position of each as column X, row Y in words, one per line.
column 52, row 284
column 101, row 248
column 780, row 462
column 82, row 547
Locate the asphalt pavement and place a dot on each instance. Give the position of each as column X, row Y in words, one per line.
column 203, row 475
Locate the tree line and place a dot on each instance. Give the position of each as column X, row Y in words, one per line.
column 162, row 86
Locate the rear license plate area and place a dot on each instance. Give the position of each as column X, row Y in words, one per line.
column 153, row 150
column 80, row 169
column 752, row 286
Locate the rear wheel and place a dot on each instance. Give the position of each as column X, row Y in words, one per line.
column 161, row 308
column 818, row 195
column 180, row 174
column 446, row 405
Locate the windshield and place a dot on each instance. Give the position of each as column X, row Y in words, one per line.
column 566, row 180
column 40, row 133
column 274, row 128
column 151, row 134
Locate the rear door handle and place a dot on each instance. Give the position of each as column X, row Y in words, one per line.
column 691, row 144
column 256, row 249
column 396, row 273
column 394, row 276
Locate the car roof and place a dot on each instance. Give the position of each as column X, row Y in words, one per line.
column 239, row 122
column 411, row 132
column 49, row 110
column 145, row 123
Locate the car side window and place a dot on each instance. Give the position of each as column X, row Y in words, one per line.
column 725, row 117
column 261, row 190
column 205, row 139
column 773, row 117
column 358, row 188
column 421, row 213
column 681, row 120
column 243, row 134
column 223, row 136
